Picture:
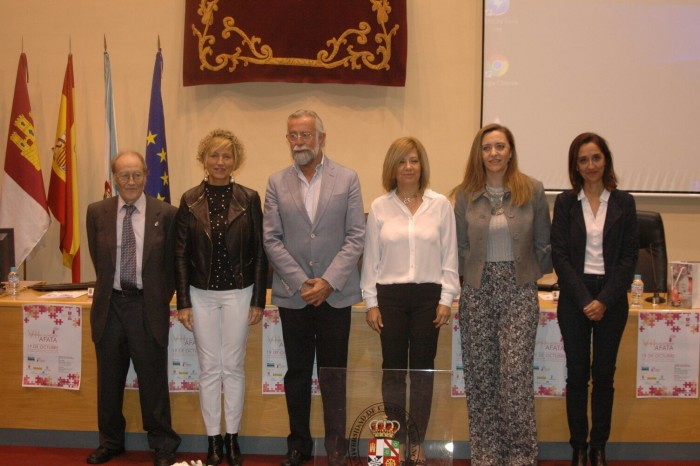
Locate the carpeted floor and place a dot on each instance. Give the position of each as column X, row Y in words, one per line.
column 32, row 456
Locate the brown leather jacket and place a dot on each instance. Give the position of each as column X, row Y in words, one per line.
column 194, row 247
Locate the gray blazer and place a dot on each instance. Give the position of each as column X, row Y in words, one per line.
column 529, row 231
column 328, row 248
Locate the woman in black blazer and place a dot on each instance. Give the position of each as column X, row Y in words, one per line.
column 594, row 251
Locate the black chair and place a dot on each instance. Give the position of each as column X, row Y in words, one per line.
column 653, row 260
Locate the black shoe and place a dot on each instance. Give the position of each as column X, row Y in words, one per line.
column 579, row 458
column 103, row 454
column 164, row 458
column 295, row 458
column 233, row 451
column 597, row 457
column 215, row 452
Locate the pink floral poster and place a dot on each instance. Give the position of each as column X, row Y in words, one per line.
column 183, row 366
column 457, row 385
column 550, row 360
column 668, row 351
column 52, row 345
column 274, row 358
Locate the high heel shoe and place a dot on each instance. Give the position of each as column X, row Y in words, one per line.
column 597, row 457
column 215, row 452
column 233, row 451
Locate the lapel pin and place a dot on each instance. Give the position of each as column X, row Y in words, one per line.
column 156, row 224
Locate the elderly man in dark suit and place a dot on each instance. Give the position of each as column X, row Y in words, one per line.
column 132, row 248
column 313, row 230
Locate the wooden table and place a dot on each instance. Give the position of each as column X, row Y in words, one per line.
column 634, row 420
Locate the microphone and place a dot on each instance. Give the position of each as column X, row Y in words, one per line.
column 655, row 298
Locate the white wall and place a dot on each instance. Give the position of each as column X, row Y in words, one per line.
column 440, row 103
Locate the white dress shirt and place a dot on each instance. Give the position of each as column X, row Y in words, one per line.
column 595, row 224
column 405, row 248
column 311, row 190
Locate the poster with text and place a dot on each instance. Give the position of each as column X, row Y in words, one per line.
column 457, row 366
column 274, row 359
column 668, row 350
column 550, row 360
column 52, row 345
column 183, row 365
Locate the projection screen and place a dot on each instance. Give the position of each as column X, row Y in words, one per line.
column 626, row 69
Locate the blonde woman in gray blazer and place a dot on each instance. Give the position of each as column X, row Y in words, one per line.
column 503, row 224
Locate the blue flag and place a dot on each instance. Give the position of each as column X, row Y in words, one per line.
column 157, row 181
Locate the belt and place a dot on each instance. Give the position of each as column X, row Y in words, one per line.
column 593, row 277
column 127, row 293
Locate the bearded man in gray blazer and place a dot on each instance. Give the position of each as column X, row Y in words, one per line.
column 313, row 230
column 130, row 311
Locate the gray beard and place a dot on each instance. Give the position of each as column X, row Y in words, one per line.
column 303, row 157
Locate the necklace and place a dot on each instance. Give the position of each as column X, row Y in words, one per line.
column 495, row 197
column 407, row 200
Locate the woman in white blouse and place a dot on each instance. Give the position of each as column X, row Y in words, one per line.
column 409, row 279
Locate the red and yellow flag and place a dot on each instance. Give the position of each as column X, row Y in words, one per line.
column 22, row 197
column 63, row 187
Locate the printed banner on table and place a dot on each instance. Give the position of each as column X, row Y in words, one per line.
column 457, row 366
column 183, row 366
column 668, row 350
column 550, row 359
column 315, row 41
column 52, row 346
column 549, row 362
column 274, row 359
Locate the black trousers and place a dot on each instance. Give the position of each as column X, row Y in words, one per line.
column 409, row 341
column 322, row 332
column 127, row 337
column 576, row 331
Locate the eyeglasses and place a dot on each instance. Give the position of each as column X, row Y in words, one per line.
column 125, row 177
column 500, row 147
column 304, row 136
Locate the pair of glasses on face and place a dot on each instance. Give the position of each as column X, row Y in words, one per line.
column 500, row 147
column 125, row 177
column 304, row 136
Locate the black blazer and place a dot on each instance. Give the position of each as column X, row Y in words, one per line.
column 620, row 247
column 158, row 271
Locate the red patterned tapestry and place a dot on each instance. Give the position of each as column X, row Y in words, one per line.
column 310, row 41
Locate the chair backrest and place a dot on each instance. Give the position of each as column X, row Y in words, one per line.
column 653, row 260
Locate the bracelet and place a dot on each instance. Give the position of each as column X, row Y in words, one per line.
column 370, row 308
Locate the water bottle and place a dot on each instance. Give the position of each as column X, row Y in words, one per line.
column 13, row 282
column 637, row 290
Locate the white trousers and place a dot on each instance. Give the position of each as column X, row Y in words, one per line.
column 220, row 333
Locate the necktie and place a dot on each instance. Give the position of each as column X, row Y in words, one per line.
column 127, row 278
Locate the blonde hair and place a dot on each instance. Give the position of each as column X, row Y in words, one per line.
column 519, row 184
column 219, row 139
column 397, row 151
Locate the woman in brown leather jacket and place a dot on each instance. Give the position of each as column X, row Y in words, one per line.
column 221, row 271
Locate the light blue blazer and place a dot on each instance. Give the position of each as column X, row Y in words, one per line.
column 328, row 248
